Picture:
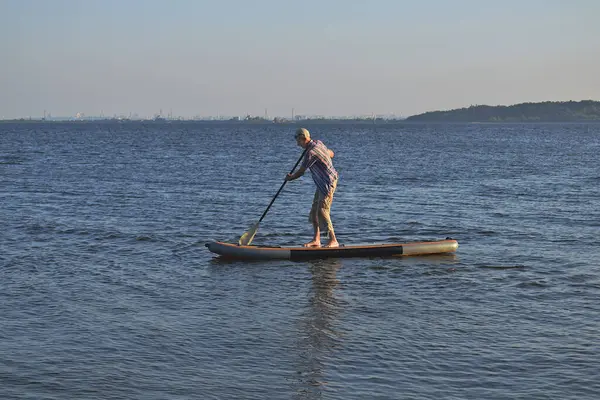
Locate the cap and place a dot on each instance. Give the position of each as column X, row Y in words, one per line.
column 302, row 132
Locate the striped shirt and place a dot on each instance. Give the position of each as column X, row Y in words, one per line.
column 321, row 168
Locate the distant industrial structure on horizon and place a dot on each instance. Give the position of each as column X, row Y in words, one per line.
column 81, row 116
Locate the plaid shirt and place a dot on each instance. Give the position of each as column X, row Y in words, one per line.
column 321, row 167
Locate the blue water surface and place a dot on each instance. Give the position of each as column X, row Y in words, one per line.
column 107, row 290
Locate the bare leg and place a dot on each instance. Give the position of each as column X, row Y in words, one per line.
column 313, row 217
column 332, row 240
column 316, row 240
column 324, row 216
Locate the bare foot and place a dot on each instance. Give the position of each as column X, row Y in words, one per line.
column 314, row 243
column 332, row 244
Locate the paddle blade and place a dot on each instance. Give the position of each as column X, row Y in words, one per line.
column 247, row 237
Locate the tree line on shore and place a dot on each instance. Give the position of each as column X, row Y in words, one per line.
column 548, row 111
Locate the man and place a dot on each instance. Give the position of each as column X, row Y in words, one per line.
column 318, row 160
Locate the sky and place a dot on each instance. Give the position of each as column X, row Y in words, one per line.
column 326, row 57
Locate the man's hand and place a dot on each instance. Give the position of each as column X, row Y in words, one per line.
column 295, row 175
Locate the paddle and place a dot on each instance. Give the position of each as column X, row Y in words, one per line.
column 247, row 237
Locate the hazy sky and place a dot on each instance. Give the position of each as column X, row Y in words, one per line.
column 326, row 57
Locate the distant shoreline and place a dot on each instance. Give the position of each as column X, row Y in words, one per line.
column 542, row 112
column 332, row 122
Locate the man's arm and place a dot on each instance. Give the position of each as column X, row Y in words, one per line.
column 295, row 175
column 330, row 153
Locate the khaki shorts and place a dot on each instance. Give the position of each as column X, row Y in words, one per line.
column 321, row 207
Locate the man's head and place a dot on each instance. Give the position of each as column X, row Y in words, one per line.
column 302, row 137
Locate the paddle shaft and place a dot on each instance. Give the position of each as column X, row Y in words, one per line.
column 281, row 188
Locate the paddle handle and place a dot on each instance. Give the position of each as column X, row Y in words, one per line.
column 282, row 185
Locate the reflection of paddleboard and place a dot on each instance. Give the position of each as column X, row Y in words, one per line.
column 231, row 250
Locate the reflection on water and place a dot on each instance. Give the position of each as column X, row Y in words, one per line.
column 105, row 225
column 318, row 336
column 433, row 259
column 430, row 259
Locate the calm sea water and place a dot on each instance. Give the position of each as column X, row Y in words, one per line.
column 107, row 290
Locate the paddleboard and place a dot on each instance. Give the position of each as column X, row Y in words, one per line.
column 231, row 250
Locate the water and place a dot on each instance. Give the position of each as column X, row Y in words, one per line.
column 107, row 290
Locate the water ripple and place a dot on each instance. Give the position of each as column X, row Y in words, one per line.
column 107, row 291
